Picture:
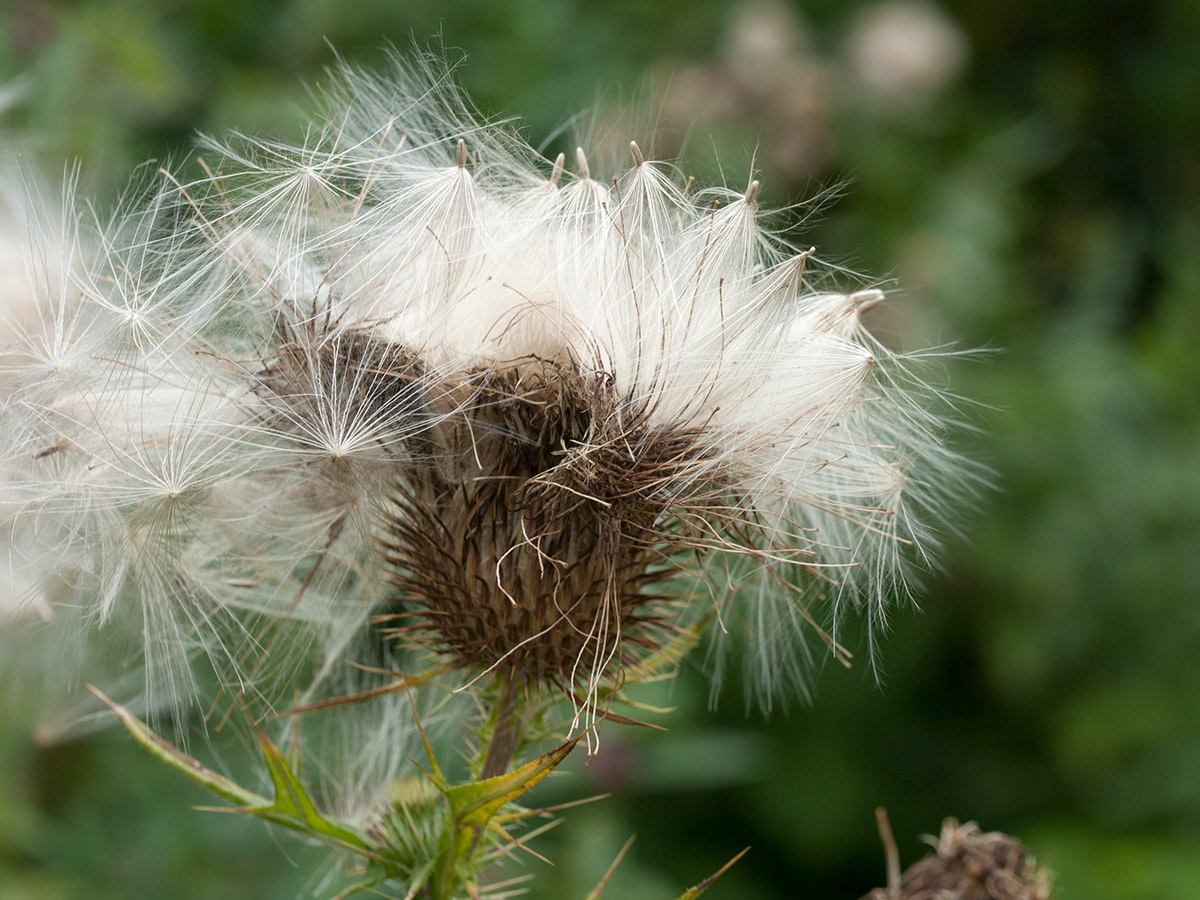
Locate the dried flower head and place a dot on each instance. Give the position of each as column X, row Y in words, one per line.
column 969, row 864
column 409, row 386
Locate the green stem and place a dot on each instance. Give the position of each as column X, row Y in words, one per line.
column 506, row 732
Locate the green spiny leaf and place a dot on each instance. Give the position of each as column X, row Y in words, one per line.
column 291, row 808
column 476, row 802
column 294, row 808
column 474, row 807
column 180, row 761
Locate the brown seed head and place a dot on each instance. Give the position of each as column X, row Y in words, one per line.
column 537, row 533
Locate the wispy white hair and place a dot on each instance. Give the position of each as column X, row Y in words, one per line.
column 194, row 446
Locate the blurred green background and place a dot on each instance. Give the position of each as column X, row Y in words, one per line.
column 1029, row 176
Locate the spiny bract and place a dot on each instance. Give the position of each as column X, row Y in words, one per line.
column 409, row 387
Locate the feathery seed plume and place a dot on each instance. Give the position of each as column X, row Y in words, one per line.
column 410, row 388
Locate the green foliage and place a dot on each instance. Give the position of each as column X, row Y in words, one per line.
column 461, row 836
column 441, row 870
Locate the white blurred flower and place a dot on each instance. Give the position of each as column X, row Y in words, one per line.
column 768, row 75
column 765, row 39
column 905, row 51
column 410, row 389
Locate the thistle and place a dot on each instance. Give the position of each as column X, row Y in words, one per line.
column 411, row 395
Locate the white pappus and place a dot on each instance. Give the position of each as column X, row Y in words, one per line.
column 409, row 388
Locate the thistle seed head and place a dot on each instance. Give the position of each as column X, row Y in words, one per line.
column 409, row 385
column 540, row 537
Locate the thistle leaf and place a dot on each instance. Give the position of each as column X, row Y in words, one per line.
column 291, row 808
column 294, row 808
column 477, row 802
column 474, row 807
column 180, row 761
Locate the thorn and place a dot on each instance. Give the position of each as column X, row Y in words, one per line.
column 752, row 191
column 864, row 300
column 599, row 888
column 638, row 159
column 581, row 161
column 704, row 885
column 557, row 172
column 462, row 153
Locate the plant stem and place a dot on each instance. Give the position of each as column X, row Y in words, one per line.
column 506, row 732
